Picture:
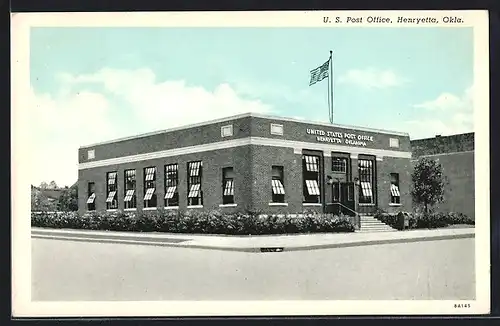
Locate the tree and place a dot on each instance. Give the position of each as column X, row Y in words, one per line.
column 40, row 202
column 44, row 185
column 53, row 185
column 428, row 183
column 68, row 201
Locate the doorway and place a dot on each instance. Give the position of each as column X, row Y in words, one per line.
column 343, row 197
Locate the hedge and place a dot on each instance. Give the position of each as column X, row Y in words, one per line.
column 214, row 222
column 430, row 220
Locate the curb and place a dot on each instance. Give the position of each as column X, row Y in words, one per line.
column 180, row 243
column 145, row 243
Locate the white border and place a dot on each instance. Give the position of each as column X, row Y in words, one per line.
column 22, row 306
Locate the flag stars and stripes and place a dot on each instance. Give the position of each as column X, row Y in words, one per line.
column 320, row 73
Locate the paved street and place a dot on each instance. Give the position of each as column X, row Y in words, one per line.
column 67, row 270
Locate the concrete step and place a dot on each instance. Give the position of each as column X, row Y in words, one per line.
column 375, row 228
column 371, row 224
column 363, row 227
column 372, row 231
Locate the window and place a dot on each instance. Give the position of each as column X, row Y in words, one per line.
column 393, row 142
column 226, row 131
column 277, row 184
column 339, row 164
column 112, row 188
column 91, row 196
column 149, row 187
column 195, row 194
column 366, row 181
column 130, row 196
column 276, row 129
column 311, row 176
column 91, row 154
column 227, row 186
column 395, row 194
column 171, row 182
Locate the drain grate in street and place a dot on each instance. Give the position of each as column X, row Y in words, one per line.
column 277, row 249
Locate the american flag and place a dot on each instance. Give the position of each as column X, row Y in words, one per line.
column 319, row 73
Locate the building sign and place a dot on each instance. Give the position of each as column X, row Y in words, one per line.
column 338, row 137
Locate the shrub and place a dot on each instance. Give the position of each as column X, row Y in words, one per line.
column 390, row 219
column 428, row 220
column 214, row 222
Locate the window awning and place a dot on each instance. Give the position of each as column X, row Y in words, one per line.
column 229, row 188
column 312, row 187
column 128, row 195
column 149, row 193
column 169, row 194
column 278, row 188
column 395, row 191
column 111, row 196
column 194, row 191
column 91, row 198
column 366, row 189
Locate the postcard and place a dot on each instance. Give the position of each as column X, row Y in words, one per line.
column 250, row 163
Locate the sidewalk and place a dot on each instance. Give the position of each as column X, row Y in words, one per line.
column 255, row 243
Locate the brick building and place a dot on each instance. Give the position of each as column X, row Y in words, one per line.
column 456, row 155
column 249, row 162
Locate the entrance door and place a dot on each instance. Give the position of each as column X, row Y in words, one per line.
column 347, row 197
column 343, row 198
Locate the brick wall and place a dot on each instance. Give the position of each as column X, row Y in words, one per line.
column 442, row 144
column 252, row 163
column 213, row 162
column 458, row 171
column 384, row 169
column 167, row 140
column 456, row 155
column 296, row 131
column 262, row 160
column 242, row 127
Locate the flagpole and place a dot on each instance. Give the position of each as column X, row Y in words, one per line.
column 329, row 100
column 331, row 86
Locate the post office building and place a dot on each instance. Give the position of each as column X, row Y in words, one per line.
column 249, row 162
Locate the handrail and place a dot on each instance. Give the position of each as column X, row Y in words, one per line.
column 342, row 205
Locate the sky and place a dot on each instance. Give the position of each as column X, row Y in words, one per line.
column 96, row 84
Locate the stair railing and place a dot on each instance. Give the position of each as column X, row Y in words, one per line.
column 356, row 214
